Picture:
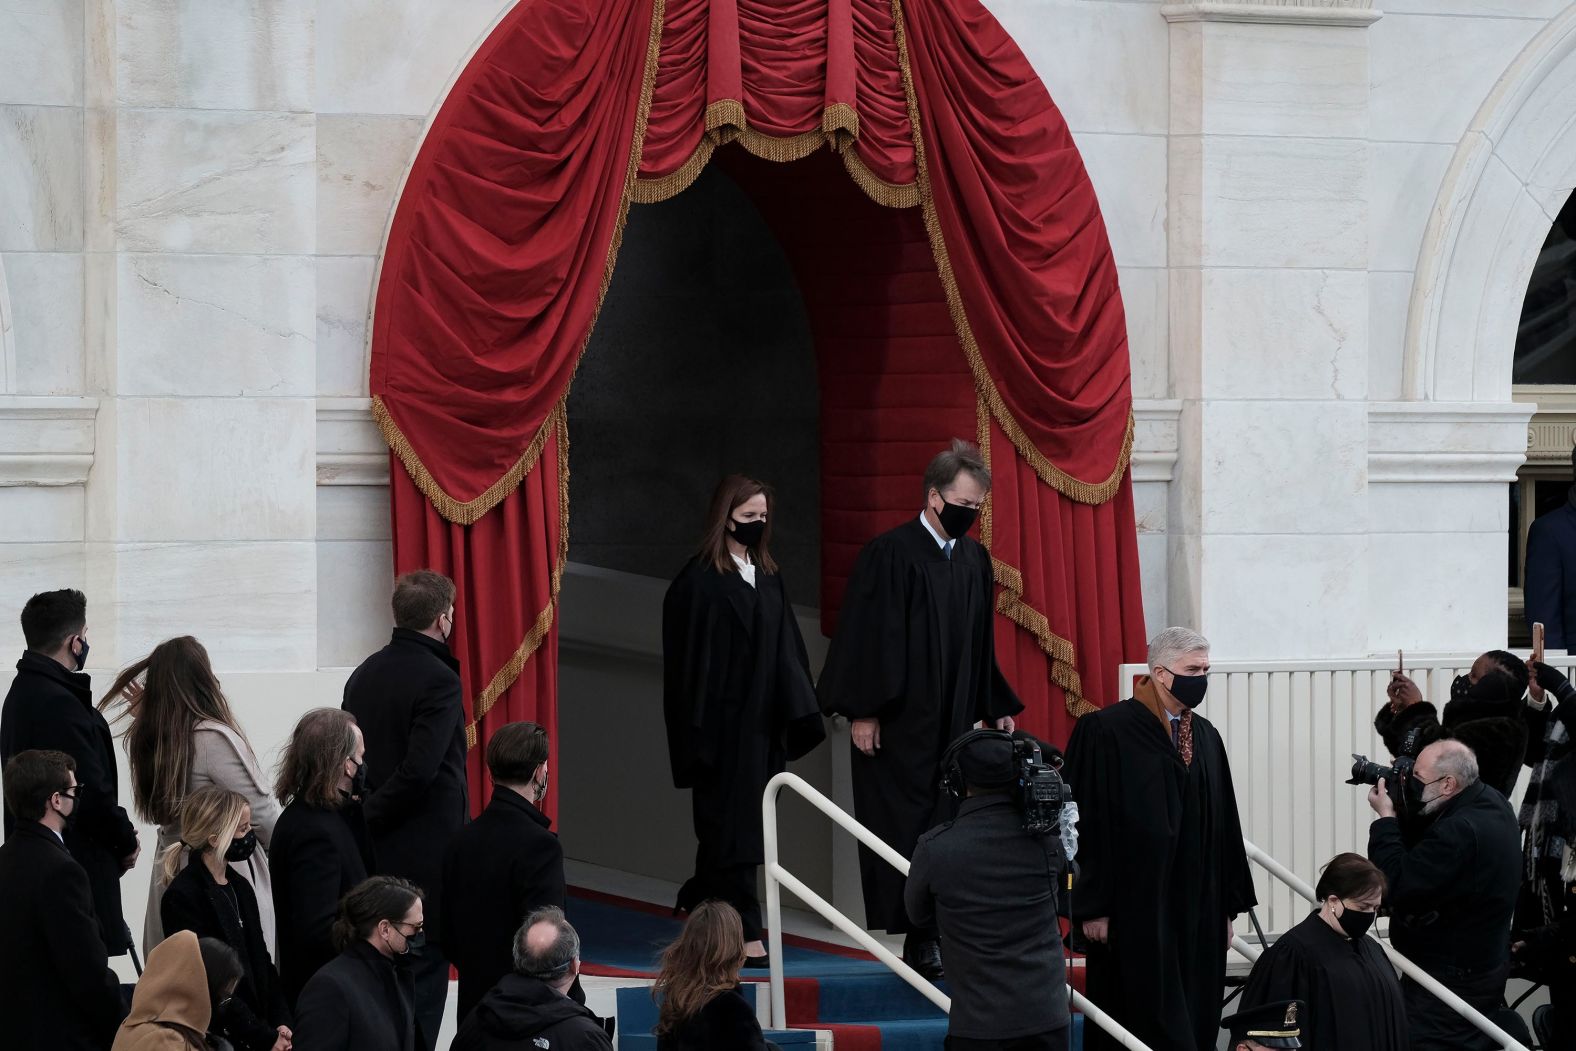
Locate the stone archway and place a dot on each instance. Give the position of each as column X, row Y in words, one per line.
column 1511, row 172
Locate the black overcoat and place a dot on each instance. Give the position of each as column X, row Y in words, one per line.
column 316, row 856
column 915, row 647
column 1160, row 854
column 500, row 867
column 1551, row 575
column 360, row 1001
column 406, row 698
column 50, row 707
column 522, row 1013
column 737, row 700
column 194, row 902
column 727, row 1021
column 57, row 992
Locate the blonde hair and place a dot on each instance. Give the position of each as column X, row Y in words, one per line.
column 208, row 813
column 703, row 960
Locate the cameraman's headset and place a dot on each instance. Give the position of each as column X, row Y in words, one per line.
column 952, row 771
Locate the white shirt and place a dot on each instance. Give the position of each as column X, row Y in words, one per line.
column 939, row 539
column 746, row 568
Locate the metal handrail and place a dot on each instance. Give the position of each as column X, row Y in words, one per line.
column 777, row 877
column 1406, row 966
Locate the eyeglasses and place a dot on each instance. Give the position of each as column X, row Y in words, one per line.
column 415, row 928
column 71, row 794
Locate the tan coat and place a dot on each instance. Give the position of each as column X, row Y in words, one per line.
column 170, row 1008
column 220, row 756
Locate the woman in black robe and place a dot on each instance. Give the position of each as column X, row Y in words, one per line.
column 1327, row 961
column 737, row 696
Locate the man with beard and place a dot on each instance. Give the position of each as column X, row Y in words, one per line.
column 1163, row 868
column 913, row 666
column 1451, row 892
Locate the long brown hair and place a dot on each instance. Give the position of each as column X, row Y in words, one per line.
column 731, row 492
column 703, row 960
column 314, row 758
column 181, row 690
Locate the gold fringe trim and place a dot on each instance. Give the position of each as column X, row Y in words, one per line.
column 654, row 191
column 506, row 676
column 781, row 149
column 886, row 194
column 1074, row 488
column 724, row 118
column 1064, row 661
column 840, row 125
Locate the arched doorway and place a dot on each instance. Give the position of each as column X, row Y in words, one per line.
column 957, row 284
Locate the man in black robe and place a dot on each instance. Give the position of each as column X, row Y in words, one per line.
column 1162, row 867
column 913, row 666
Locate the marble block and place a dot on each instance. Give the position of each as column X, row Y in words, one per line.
column 361, row 163
column 1430, row 74
column 1145, row 295
column 32, row 514
column 1093, row 92
column 1429, row 507
column 1299, row 334
column 353, row 513
column 1437, row 591
column 223, row 326
column 41, row 43
column 1268, row 202
column 1153, row 566
column 1389, row 299
column 47, row 321
column 40, row 179
column 1285, row 597
column 28, row 568
column 1403, row 180
column 214, row 469
column 344, row 303
column 1529, row 9
column 206, row 181
column 395, row 56
column 215, row 54
column 354, row 581
column 253, row 605
column 1235, row 78
column 1129, row 176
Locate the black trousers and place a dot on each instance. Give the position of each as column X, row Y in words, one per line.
column 431, row 973
column 1055, row 1040
column 734, row 884
column 1435, row 1027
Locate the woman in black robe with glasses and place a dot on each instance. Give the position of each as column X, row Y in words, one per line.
column 737, row 696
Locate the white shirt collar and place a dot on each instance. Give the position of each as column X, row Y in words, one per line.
column 941, row 541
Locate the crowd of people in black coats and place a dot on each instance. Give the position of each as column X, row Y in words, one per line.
column 320, row 910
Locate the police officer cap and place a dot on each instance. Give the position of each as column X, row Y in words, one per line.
column 1268, row 1025
column 987, row 762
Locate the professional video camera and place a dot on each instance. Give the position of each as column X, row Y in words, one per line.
column 1367, row 772
column 999, row 760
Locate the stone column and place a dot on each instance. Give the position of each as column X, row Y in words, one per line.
column 200, row 328
column 1268, row 190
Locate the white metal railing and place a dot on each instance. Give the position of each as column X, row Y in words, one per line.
column 1290, row 729
column 1404, row 965
column 778, row 877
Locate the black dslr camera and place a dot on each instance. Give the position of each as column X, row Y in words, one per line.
column 1014, row 761
column 1367, row 772
column 1041, row 789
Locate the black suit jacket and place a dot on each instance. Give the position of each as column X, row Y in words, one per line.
column 194, row 902
column 56, row 988
column 406, row 697
column 991, row 888
column 360, row 1001
column 315, row 856
column 500, row 867
column 1551, row 576
column 50, row 707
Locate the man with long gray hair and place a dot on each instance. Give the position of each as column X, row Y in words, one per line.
column 530, row 1007
column 1163, row 872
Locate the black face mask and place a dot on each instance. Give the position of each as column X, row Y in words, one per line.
column 241, row 849
column 1355, row 923
column 81, row 658
column 1189, row 689
column 358, row 781
column 956, row 520
column 413, row 946
column 750, row 534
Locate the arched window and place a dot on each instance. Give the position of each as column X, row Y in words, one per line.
column 1544, row 374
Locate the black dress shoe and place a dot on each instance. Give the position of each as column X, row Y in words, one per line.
column 763, row 960
column 925, row 957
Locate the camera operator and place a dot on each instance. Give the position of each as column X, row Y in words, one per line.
column 1485, row 712
column 1451, row 892
column 990, row 886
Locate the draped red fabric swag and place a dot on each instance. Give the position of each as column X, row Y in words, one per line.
column 1009, row 328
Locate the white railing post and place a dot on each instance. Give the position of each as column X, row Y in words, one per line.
column 1406, row 966
column 777, row 876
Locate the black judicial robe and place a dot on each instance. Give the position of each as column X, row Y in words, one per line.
column 1353, row 998
column 915, row 648
column 1160, row 853
column 737, row 700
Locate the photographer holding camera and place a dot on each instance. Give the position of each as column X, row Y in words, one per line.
column 988, row 880
column 1485, row 712
column 1451, row 892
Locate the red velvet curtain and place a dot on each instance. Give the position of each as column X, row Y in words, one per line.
column 976, row 295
